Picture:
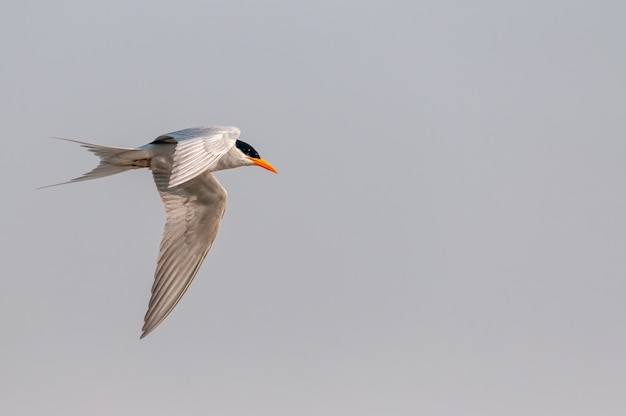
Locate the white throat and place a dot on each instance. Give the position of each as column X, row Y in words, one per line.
column 234, row 158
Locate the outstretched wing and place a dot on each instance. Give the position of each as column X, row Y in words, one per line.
column 197, row 149
column 194, row 212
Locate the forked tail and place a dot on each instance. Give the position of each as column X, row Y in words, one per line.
column 112, row 160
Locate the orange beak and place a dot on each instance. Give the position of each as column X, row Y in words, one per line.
column 263, row 163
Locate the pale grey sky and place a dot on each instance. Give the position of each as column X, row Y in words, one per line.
column 446, row 235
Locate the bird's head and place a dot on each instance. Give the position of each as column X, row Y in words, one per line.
column 251, row 156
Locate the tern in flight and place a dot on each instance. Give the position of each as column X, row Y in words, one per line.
column 181, row 163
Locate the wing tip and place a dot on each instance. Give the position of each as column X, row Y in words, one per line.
column 146, row 330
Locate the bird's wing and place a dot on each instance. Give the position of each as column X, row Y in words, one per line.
column 197, row 149
column 194, row 211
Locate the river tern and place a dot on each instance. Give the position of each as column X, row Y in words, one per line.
column 182, row 163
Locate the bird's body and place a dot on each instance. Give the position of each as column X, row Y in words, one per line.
column 181, row 163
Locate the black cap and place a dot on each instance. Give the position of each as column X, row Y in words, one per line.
column 247, row 149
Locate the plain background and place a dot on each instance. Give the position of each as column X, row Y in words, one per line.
column 446, row 235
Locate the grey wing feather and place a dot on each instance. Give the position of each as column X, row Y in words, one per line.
column 194, row 213
column 197, row 149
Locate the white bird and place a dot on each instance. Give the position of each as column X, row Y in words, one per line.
column 181, row 163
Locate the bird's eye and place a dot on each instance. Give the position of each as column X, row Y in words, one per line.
column 247, row 149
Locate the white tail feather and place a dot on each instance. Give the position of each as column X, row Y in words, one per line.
column 112, row 160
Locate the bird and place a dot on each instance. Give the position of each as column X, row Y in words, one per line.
column 182, row 165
